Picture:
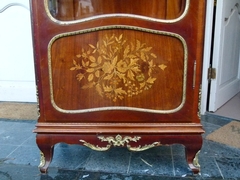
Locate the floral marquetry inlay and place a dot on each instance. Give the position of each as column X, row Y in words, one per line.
column 117, row 67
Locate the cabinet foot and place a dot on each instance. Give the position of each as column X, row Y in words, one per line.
column 192, row 159
column 46, row 155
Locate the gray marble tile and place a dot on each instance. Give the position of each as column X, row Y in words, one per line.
column 6, row 124
column 5, row 150
column 229, row 167
column 62, row 174
column 114, row 160
column 70, row 156
column 209, row 168
column 181, row 167
column 178, row 149
column 220, row 150
column 17, row 172
column 209, row 128
column 160, row 150
column 31, row 141
column 151, row 164
column 24, row 126
column 14, row 172
column 205, row 149
column 25, row 155
column 14, row 137
column 217, row 120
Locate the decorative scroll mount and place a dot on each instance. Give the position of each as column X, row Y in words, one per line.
column 119, row 141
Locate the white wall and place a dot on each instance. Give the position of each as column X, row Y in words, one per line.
column 17, row 79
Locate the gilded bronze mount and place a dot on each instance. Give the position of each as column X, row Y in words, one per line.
column 118, row 141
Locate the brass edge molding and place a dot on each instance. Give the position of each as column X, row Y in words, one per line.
column 179, row 37
column 195, row 161
column 199, row 101
column 116, row 15
column 118, row 141
column 42, row 160
column 38, row 106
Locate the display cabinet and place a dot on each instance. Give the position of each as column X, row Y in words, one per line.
column 113, row 73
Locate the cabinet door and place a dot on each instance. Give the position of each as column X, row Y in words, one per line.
column 113, row 61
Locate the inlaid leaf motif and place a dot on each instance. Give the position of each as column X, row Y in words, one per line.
column 99, row 89
column 138, row 46
column 76, row 66
column 151, row 80
column 97, row 73
column 92, row 58
column 162, row 66
column 93, row 65
column 142, row 85
column 90, row 77
column 130, row 75
column 80, row 76
column 119, row 39
column 108, row 77
column 92, row 46
column 87, row 63
column 126, row 51
column 116, row 67
column 153, row 55
column 88, row 85
column 120, row 91
column 108, row 88
column 90, row 70
column 99, row 60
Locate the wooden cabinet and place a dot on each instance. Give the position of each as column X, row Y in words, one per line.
column 118, row 73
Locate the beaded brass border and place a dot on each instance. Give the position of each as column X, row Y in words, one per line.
column 117, row 15
column 119, row 107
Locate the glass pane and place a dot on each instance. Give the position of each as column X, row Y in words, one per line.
column 68, row 10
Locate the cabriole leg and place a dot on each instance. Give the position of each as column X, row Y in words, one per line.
column 192, row 151
column 46, row 154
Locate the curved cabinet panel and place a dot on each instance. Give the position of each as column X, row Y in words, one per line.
column 113, row 70
column 75, row 11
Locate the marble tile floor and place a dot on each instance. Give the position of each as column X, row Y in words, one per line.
column 19, row 158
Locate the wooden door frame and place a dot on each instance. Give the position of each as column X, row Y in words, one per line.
column 207, row 54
